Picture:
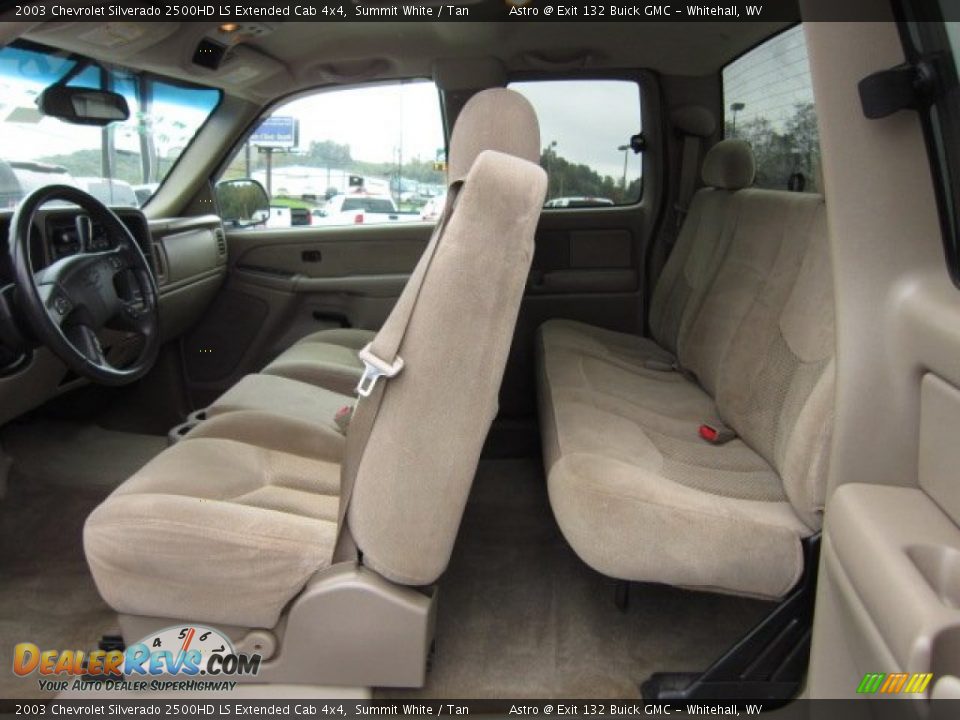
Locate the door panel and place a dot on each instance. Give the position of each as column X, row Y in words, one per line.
column 285, row 284
column 333, row 252
column 587, row 266
column 888, row 597
column 892, row 574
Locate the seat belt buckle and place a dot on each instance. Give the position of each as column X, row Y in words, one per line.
column 716, row 433
column 373, row 369
column 658, row 365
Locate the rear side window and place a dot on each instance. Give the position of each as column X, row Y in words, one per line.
column 585, row 131
column 768, row 101
column 939, row 42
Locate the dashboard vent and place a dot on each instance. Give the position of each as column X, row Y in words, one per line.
column 158, row 263
column 221, row 242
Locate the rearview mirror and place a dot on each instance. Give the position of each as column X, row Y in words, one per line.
column 83, row 106
column 243, row 203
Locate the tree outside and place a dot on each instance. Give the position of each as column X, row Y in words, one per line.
column 566, row 179
column 782, row 155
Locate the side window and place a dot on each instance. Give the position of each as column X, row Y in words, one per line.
column 768, row 101
column 354, row 156
column 585, row 130
column 938, row 42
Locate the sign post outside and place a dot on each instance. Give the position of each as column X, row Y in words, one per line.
column 278, row 132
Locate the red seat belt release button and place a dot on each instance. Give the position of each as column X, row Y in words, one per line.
column 716, row 434
column 343, row 417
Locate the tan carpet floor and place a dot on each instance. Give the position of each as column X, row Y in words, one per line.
column 60, row 472
column 521, row 615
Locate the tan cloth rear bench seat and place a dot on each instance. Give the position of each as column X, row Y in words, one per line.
column 637, row 493
column 701, row 243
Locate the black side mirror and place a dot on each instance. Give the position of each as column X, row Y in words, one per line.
column 83, row 106
column 243, row 203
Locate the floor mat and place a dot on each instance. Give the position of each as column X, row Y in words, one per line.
column 47, row 596
column 61, row 471
column 521, row 616
column 59, row 452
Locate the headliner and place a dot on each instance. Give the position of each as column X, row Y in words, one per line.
column 293, row 56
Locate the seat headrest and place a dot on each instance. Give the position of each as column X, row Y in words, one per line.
column 494, row 119
column 729, row 165
column 693, row 120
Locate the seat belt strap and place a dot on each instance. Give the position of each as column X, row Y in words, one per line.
column 688, row 177
column 381, row 359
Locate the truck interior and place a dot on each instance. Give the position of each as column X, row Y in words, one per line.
column 486, row 360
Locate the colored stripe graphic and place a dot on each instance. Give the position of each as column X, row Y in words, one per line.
column 871, row 683
column 894, row 683
column 918, row 682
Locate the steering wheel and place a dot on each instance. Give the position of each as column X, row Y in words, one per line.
column 67, row 303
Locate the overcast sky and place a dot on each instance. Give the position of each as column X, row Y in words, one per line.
column 770, row 81
column 588, row 120
column 373, row 121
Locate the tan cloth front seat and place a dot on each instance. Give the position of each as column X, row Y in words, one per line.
column 295, row 384
column 229, row 524
column 327, row 359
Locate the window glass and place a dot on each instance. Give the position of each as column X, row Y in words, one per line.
column 768, row 101
column 585, row 130
column 926, row 38
column 121, row 164
column 349, row 157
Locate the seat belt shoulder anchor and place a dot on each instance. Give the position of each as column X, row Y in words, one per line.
column 373, row 369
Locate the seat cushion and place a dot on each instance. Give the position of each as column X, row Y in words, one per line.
column 585, row 368
column 625, row 349
column 282, row 396
column 209, row 519
column 637, row 521
column 640, row 496
column 353, row 338
column 327, row 359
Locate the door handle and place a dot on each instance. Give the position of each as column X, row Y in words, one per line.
column 311, row 256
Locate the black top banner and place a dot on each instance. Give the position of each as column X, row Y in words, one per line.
column 470, row 11
column 200, row 707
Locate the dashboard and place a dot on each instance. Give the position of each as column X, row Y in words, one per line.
column 69, row 235
column 60, row 232
column 188, row 257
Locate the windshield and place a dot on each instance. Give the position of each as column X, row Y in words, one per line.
column 121, row 164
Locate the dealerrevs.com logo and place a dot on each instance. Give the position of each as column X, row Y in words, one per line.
column 180, row 654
